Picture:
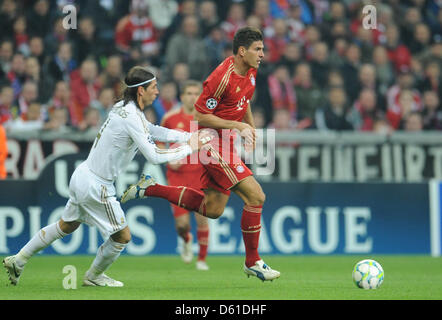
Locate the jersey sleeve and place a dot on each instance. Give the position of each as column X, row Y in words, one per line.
column 163, row 134
column 142, row 137
column 209, row 98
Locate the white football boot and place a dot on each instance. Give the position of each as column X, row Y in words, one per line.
column 101, row 281
column 202, row 265
column 137, row 190
column 13, row 270
column 261, row 271
column 187, row 250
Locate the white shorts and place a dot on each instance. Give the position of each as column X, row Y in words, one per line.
column 92, row 201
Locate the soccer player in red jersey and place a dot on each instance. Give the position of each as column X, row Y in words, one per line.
column 224, row 105
column 186, row 174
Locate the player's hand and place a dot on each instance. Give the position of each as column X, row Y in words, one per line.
column 199, row 139
column 248, row 133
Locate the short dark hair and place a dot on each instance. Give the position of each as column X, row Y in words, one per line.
column 135, row 75
column 189, row 83
column 244, row 37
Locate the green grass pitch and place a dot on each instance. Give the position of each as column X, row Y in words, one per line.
column 167, row 278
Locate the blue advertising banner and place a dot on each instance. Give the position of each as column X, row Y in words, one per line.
column 298, row 218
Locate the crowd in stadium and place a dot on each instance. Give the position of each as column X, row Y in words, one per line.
column 322, row 68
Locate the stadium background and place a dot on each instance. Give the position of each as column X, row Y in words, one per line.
column 357, row 114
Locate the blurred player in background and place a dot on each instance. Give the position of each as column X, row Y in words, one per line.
column 186, row 174
column 92, row 194
column 224, row 105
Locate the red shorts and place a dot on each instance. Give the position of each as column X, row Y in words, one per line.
column 223, row 170
column 190, row 179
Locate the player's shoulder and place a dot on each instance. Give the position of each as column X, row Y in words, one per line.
column 221, row 70
column 123, row 110
column 220, row 77
column 170, row 115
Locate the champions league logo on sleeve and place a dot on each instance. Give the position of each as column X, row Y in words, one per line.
column 211, row 103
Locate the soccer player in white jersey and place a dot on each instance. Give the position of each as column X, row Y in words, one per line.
column 92, row 195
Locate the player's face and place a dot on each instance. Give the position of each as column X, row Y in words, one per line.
column 149, row 94
column 254, row 54
column 189, row 97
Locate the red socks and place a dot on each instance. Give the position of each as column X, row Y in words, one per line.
column 188, row 198
column 202, row 235
column 251, row 227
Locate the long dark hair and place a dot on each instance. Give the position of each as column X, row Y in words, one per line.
column 134, row 76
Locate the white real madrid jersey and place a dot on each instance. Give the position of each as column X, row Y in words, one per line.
column 125, row 131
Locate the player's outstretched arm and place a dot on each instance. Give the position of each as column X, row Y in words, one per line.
column 215, row 122
column 163, row 134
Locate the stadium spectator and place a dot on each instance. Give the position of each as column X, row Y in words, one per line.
column 58, row 120
column 36, row 49
column 61, row 96
column 85, row 87
column 92, row 121
column 6, row 53
column 236, row 19
column 336, row 57
column 208, row 17
column 295, row 24
column 277, row 42
column 350, row 70
column 259, row 117
column 87, row 45
column 188, row 47
column 6, row 101
column 364, row 112
column 334, row 115
column 45, row 84
column 31, row 120
column 39, row 19
column 385, row 76
column 8, row 13
column 308, row 95
column 61, row 65
column 56, row 37
column 106, row 100
column 413, row 122
column 319, row 63
column 291, row 57
column 167, row 99
column 16, row 75
column 431, row 111
column 137, row 28
column 112, row 75
column 3, row 152
column 311, row 36
column 432, row 79
column 21, row 38
column 180, row 74
column 281, row 91
column 162, row 12
column 421, row 39
column 282, row 120
column 399, row 105
column 215, row 43
column 398, row 53
column 28, row 95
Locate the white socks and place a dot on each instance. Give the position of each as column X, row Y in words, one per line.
column 39, row 241
column 108, row 252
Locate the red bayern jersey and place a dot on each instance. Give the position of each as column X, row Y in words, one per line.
column 179, row 120
column 227, row 94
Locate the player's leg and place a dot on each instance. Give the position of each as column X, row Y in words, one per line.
column 182, row 227
column 43, row 238
column 107, row 253
column 106, row 214
column 185, row 197
column 202, row 234
column 250, row 191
